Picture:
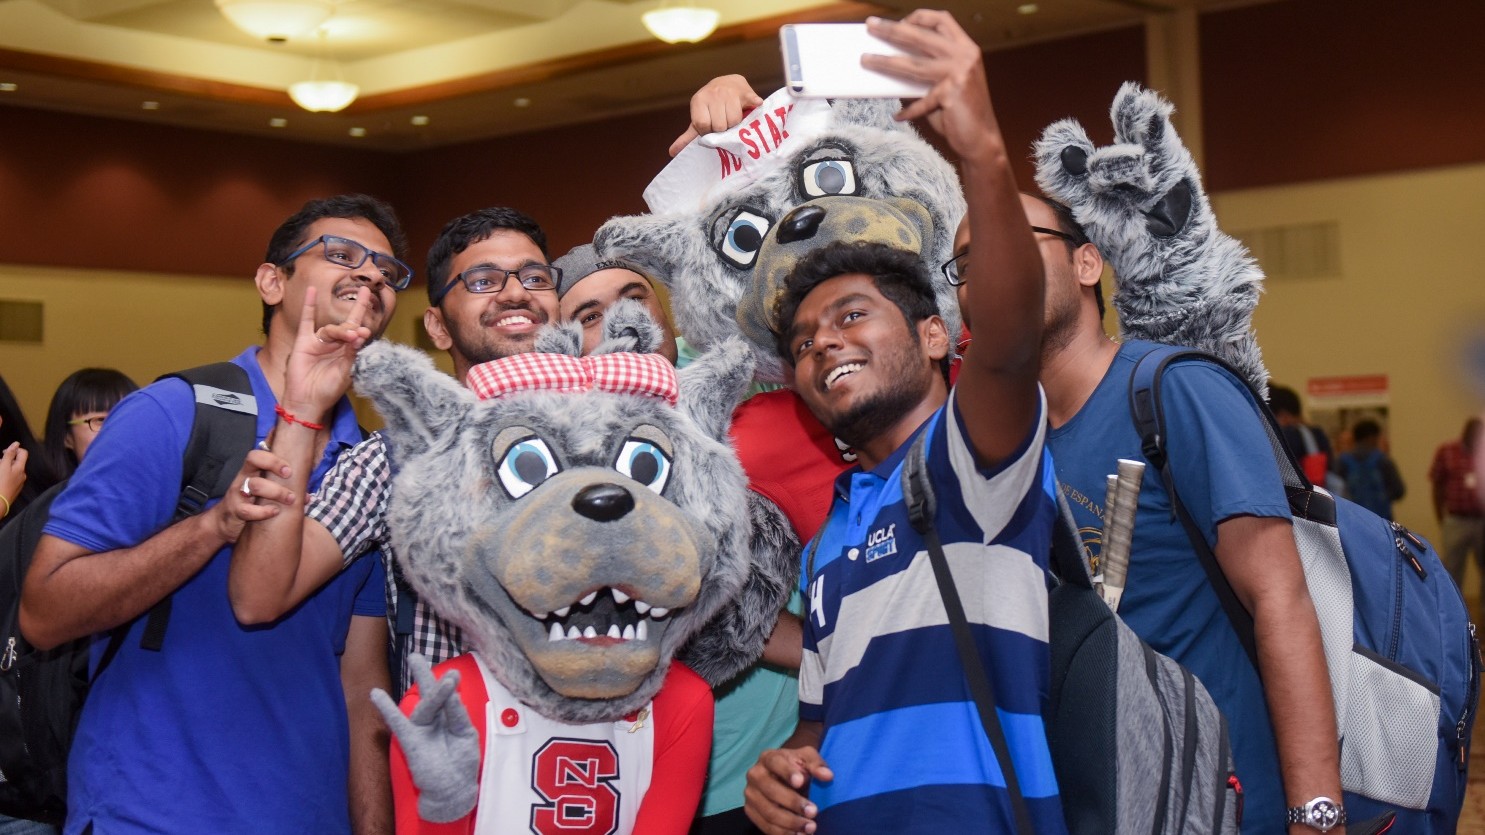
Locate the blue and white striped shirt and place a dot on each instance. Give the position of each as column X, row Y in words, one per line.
column 880, row 669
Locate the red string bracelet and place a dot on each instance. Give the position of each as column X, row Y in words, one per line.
column 289, row 418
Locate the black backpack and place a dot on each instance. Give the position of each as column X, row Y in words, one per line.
column 42, row 692
column 1136, row 742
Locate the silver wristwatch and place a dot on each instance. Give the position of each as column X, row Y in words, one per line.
column 1322, row 813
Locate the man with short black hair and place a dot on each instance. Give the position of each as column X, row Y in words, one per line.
column 490, row 289
column 889, row 731
column 223, row 728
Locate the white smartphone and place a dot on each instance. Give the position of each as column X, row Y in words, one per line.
column 823, row 61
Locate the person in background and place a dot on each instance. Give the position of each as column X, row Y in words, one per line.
column 1456, row 501
column 589, row 285
column 78, row 409
column 1372, row 479
column 1310, row 445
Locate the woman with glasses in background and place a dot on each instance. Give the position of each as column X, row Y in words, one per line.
column 77, row 412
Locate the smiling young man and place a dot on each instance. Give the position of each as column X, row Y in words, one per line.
column 490, row 289
column 889, row 739
column 223, row 729
column 590, row 285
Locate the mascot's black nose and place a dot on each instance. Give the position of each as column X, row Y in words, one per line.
column 800, row 224
column 603, row 502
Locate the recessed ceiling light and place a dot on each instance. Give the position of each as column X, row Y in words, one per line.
column 150, row 105
column 357, row 131
column 8, row 86
column 522, row 102
column 278, row 122
column 420, row 120
column 1027, row 8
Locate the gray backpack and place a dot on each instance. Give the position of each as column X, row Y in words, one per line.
column 1137, row 744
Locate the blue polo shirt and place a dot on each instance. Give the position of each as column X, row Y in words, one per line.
column 229, row 728
column 880, row 669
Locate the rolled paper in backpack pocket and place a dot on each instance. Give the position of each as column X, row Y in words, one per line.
column 1118, row 529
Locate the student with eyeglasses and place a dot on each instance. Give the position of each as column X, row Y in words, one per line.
column 224, row 728
column 490, row 288
column 79, row 407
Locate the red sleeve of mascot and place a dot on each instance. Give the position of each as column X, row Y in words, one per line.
column 790, row 458
column 404, row 792
column 683, row 743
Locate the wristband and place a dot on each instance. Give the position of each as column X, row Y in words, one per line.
column 289, row 418
column 7, row 506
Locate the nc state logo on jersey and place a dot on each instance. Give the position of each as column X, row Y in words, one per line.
column 576, row 778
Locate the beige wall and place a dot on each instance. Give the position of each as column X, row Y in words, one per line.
column 1411, row 289
column 142, row 324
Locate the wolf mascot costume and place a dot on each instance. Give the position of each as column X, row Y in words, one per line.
column 1180, row 279
column 578, row 518
column 731, row 215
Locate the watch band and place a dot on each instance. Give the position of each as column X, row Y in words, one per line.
column 1322, row 814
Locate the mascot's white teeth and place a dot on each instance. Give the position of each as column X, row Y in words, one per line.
column 602, row 613
column 840, row 371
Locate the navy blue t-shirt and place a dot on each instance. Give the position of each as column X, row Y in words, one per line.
column 228, row 728
column 1224, row 467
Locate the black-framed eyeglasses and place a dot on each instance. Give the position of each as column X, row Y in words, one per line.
column 956, row 268
column 488, row 279
column 344, row 252
column 93, row 422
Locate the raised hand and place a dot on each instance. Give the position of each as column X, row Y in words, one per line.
column 717, row 106
column 12, row 474
column 319, row 370
column 943, row 55
column 440, row 743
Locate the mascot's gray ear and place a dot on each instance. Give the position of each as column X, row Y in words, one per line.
column 651, row 241
column 870, row 113
column 1061, row 155
column 560, row 338
column 628, row 326
column 419, row 402
column 713, row 385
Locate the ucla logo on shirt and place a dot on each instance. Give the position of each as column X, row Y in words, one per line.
column 881, row 543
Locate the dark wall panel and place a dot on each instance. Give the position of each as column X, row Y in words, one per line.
column 104, row 193
column 570, row 180
column 1315, row 89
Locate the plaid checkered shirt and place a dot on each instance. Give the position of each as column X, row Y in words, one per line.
column 352, row 505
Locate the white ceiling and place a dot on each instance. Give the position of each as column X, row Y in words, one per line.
column 474, row 68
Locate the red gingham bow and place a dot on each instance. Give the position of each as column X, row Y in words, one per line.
column 623, row 373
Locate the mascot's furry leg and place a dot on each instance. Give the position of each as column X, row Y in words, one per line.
column 1179, row 279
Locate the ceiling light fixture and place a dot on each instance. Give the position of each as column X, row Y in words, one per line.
column 681, row 24
column 9, row 86
column 320, row 94
column 276, row 21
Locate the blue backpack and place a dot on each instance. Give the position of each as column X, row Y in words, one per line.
column 1403, row 657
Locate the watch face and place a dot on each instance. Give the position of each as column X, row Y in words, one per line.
column 1323, row 814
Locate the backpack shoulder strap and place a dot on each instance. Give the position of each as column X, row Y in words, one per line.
column 1148, row 413
column 223, row 430
column 922, row 506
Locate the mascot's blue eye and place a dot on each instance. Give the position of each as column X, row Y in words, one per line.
column 744, row 237
column 525, row 465
column 645, row 463
column 829, row 176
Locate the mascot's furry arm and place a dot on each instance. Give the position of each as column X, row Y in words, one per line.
column 1179, row 279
